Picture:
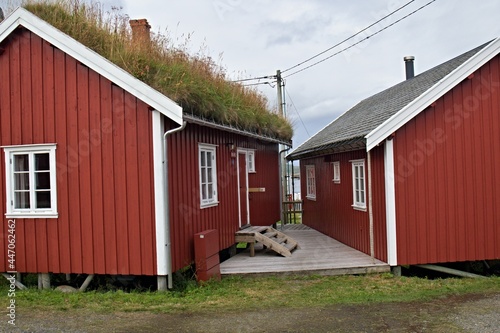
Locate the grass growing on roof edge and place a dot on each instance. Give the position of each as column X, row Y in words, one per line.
column 260, row 293
column 195, row 82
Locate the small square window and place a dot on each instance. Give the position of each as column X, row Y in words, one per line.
column 31, row 181
column 336, row 172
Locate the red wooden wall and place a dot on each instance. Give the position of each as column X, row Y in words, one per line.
column 447, row 182
column 187, row 218
column 104, row 163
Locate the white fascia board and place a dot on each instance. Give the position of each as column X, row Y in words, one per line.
column 395, row 122
column 91, row 59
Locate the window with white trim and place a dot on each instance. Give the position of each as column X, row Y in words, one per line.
column 251, row 161
column 311, row 182
column 31, row 181
column 336, row 172
column 358, row 184
column 208, row 176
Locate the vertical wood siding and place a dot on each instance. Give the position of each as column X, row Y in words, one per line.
column 378, row 197
column 447, row 187
column 332, row 212
column 187, row 218
column 104, row 163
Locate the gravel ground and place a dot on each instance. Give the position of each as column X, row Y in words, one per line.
column 478, row 316
column 476, row 313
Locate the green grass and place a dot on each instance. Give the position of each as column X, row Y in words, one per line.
column 260, row 293
column 197, row 82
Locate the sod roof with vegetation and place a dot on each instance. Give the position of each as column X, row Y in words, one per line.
column 195, row 82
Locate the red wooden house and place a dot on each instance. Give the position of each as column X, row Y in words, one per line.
column 409, row 175
column 85, row 178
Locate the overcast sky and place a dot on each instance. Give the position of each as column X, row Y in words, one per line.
column 255, row 38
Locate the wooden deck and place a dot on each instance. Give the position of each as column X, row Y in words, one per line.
column 318, row 254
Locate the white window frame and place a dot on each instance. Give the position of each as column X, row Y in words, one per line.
column 359, row 185
column 32, row 212
column 310, row 182
column 251, row 161
column 336, row 172
column 209, row 199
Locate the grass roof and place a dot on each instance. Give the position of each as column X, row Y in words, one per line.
column 195, row 82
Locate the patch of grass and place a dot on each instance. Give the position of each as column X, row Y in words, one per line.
column 259, row 293
column 195, row 81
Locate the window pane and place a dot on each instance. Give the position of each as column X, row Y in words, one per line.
column 43, row 199
column 21, row 181
column 209, row 175
column 42, row 162
column 22, row 200
column 204, row 191
column 203, row 175
column 21, row 163
column 42, row 180
column 203, row 159
column 210, row 193
column 209, row 159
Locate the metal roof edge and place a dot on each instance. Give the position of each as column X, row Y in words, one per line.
column 227, row 128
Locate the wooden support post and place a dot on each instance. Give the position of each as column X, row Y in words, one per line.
column 86, row 282
column 396, row 271
column 162, row 282
column 252, row 249
column 43, row 281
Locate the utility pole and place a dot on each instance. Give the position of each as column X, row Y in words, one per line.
column 282, row 148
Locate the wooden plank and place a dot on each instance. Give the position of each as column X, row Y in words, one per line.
column 60, row 132
column 97, row 127
column 146, row 204
column 108, row 184
column 132, row 184
column 120, row 177
column 85, row 171
column 75, row 234
column 49, row 126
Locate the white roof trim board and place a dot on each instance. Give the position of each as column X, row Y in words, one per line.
column 150, row 96
column 399, row 119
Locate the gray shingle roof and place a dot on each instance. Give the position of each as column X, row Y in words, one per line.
column 347, row 132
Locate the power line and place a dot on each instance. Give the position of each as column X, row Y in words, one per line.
column 256, row 78
column 362, row 40
column 349, row 38
column 297, row 111
column 270, row 83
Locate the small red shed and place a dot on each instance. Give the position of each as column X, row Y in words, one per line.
column 408, row 174
column 87, row 179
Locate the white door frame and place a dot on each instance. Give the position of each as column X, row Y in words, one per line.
column 244, row 152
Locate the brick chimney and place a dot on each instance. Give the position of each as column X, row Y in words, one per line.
column 141, row 32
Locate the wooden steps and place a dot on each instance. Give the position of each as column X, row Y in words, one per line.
column 269, row 237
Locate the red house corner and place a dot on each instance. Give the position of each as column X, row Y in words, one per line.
column 408, row 174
